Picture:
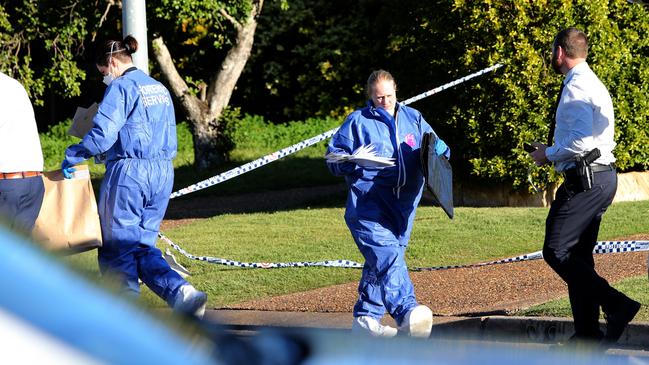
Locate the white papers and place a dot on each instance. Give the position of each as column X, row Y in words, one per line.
column 82, row 120
column 363, row 156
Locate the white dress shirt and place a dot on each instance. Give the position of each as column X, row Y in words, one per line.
column 584, row 120
column 20, row 147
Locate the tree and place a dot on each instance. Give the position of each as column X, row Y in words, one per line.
column 41, row 42
column 311, row 59
column 204, row 103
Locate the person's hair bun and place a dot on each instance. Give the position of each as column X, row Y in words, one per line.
column 130, row 44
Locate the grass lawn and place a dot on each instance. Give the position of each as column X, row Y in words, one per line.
column 636, row 288
column 475, row 235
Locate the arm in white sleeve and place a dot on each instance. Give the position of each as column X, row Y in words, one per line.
column 574, row 134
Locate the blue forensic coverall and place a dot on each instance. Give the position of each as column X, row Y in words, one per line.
column 135, row 127
column 381, row 203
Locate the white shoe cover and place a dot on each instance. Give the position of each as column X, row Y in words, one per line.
column 190, row 301
column 418, row 322
column 369, row 325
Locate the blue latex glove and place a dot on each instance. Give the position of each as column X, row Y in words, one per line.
column 67, row 169
column 442, row 149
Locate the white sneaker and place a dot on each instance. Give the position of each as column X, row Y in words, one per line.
column 190, row 301
column 418, row 322
column 369, row 325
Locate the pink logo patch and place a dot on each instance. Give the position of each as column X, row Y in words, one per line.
column 410, row 140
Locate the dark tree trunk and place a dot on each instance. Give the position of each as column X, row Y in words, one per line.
column 209, row 150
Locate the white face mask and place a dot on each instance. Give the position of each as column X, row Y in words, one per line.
column 108, row 78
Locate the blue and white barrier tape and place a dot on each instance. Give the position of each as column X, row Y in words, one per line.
column 530, row 256
column 306, row 143
column 261, row 265
column 621, row 246
column 252, row 165
column 601, row 247
column 451, row 84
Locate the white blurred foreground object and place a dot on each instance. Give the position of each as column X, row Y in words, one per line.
column 371, row 326
column 34, row 346
column 363, row 156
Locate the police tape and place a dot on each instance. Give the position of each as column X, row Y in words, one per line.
column 260, row 265
column 600, row 248
column 451, row 84
column 308, row 142
column 252, row 165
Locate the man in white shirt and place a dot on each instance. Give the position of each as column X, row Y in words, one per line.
column 584, row 122
column 21, row 158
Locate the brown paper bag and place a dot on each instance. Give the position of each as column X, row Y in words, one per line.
column 68, row 219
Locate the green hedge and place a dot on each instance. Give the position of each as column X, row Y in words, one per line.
column 253, row 137
column 487, row 120
column 56, row 140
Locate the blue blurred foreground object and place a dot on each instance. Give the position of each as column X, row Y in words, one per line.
column 50, row 315
column 67, row 169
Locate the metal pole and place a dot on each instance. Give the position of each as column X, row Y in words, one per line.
column 134, row 20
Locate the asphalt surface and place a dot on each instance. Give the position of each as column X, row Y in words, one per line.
column 543, row 332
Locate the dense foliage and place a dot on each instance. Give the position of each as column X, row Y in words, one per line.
column 254, row 132
column 196, row 33
column 253, row 137
column 314, row 59
column 54, row 142
column 311, row 59
column 41, row 42
column 515, row 107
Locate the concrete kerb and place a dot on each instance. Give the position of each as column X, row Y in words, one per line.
column 535, row 329
column 539, row 330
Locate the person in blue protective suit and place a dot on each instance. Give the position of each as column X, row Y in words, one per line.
column 381, row 206
column 135, row 128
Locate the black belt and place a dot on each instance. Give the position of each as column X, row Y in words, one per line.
column 595, row 167
column 576, row 181
column 600, row 168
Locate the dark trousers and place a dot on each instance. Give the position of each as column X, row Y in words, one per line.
column 570, row 237
column 20, row 202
